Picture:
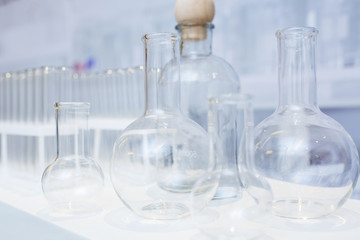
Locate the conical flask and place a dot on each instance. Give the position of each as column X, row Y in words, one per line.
column 307, row 160
column 158, row 158
column 72, row 182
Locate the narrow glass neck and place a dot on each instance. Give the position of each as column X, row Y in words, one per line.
column 297, row 73
column 162, row 73
column 72, row 129
column 196, row 39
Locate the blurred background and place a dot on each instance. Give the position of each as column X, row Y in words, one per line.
column 102, row 39
column 108, row 32
column 99, row 35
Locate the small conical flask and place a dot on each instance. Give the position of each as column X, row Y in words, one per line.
column 73, row 181
column 159, row 157
column 307, row 160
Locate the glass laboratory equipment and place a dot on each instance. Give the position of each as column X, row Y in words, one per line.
column 2, row 98
column 202, row 74
column 73, row 181
column 308, row 160
column 229, row 119
column 158, row 158
column 229, row 213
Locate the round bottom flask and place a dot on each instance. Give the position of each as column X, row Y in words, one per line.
column 159, row 157
column 73, row 181
column 154, row 168
column 307, row 159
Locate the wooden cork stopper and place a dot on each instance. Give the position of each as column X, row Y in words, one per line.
column 196, row 13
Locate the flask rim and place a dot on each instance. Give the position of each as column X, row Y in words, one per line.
column 72, row 105
column 297, row 32
column 161, row 37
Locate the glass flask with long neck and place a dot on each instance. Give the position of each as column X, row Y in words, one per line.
column 158, row 158
column 203, row 74
column 308, row 160
column 72, row 182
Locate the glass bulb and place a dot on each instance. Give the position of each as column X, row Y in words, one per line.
column 158, row 158
column 73, row 181
column 307, row 160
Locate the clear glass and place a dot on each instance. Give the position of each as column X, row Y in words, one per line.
column 307, row 160
column 228, row 118
column 72, row 182
column 229, row 213
column 158, row 158
column 2, row 98
column 203, row 75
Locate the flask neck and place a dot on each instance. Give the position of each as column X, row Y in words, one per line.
column 297, row 70
column 196, row 39
column 162, row 73
column 72, row 129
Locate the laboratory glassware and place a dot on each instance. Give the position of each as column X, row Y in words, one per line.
column 202, row 74
column 226, row 215
column 3, row 98
column 158, row 158
column 72, row 182
column 308, row 160
column 229, row 117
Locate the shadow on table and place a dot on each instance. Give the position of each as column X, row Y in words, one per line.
column 342, row 220
column 201, row 236
column 231, row 222
column 124, row 219
column 52, row 215
column 251, row 223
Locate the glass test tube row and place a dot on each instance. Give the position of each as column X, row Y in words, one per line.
column 28, row 96
column 27, row 99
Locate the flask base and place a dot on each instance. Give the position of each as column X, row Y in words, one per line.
column 301, row 209
column 74, row 208
column 227, row 193
column 164, row 211
column 177, row 184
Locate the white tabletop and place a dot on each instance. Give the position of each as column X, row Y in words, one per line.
column 24, row 213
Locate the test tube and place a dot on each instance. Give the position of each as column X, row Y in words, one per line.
column 65, row 74
column 37, row 94
column 140, row 90
column 128, row 88
column 132, row 92
column 2, row 98
column 83, row 88
column 13, row 96
column 29, row 110
column 97, row 91
column 17, row 97
column 74, row 81
column 47, row 74
column 111, row 92
column 91, row 92
column 8, row 97
column 22, row 97
column 21, row 117
column 29, row 95
column 2, row 114
column 102, row 92
column 120, row 77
